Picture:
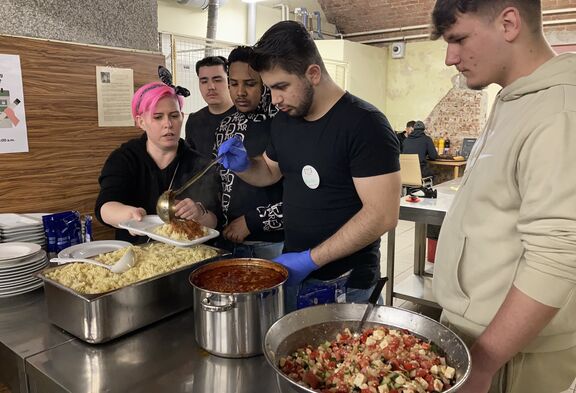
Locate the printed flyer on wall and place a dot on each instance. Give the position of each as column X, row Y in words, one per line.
column 13, row 130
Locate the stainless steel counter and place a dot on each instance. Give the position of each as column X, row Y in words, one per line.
column 163, row 357
column 24, row 332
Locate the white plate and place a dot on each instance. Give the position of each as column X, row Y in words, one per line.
column 16, row 250
column 90, row 249
column 24, row 269
column 149, row 223
column 8, row 285
column 23, row 238
column 20, row 291
column 22, row 231
column 13, row 221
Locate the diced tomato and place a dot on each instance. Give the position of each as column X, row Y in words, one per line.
column 409, row 341
column 409, row 366
column 421, row 373
column 363, row 363
column 426, row 364
column 425, row 346
column 311, row 379
column 387, row 354
column 394, row 344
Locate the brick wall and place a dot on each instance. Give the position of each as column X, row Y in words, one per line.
column 365, row 15
column 461, row 113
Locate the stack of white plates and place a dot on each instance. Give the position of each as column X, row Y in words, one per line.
column 18, row 263
column 22, row 228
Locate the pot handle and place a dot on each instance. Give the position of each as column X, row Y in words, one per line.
column 206, row 306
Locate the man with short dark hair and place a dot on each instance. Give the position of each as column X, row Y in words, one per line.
column 340, row 163
column 505, row 270
column 201, row 126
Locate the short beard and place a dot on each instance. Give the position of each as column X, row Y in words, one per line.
column 308, row 97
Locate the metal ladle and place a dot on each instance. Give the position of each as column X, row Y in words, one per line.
column 165, row 206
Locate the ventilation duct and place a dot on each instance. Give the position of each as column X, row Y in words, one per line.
column 200, row 4
column 194, row 3
column 213, row 6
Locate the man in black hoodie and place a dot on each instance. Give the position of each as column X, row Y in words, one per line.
column 420, row 143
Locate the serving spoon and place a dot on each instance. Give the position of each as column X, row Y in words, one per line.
column 371, row 303
column 122, row 265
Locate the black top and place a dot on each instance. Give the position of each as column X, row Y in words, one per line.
column 420, row 143
column 200, row 129
column 131, row 176
column 261, row 206
column 354, row 139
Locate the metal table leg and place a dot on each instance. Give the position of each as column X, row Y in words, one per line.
column 419, row 248
column 390, row 255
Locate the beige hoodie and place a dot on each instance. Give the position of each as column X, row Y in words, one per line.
column 513, row 220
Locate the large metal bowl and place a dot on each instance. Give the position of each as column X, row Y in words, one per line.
column 315, row 325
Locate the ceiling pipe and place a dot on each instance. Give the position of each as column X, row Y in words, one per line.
column 317, row 32
column 394, row 39
column 384, row 31
column 420, row 36
column 304, row 13
column 251, row 31
column 559, row 11
column 420, row 27
column 559, row 22
column 285, row 11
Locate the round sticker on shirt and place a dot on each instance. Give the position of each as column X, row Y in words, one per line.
column 311, row 177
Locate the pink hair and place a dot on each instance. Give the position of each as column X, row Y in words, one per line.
column 146, row 97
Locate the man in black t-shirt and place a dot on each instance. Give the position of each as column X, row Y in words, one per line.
column 340, row 162
column 213, row 83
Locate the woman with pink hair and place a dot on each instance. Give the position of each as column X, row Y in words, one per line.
column 139, row 171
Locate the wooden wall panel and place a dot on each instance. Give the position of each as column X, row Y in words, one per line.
column 66, row 147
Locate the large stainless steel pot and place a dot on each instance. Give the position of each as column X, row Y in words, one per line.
column 315, row 325
column 234, row 324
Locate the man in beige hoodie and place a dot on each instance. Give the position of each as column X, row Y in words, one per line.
column 506, row 259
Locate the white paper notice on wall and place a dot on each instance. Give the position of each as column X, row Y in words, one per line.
column 13, row 131
column 114, row 88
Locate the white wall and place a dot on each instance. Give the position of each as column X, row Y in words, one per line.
column 366, row 68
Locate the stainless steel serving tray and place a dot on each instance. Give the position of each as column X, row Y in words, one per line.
column 105, row 316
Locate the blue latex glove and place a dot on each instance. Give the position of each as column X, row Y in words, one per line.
column 234, row 155
column 299, row 265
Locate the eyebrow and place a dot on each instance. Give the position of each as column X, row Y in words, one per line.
column 245, row 80
column 161, row 113
column 278, row 85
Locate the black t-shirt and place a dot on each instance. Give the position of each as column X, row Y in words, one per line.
column 354, row 139
column 201, row 127
column 131, row 176
column 260, row 206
